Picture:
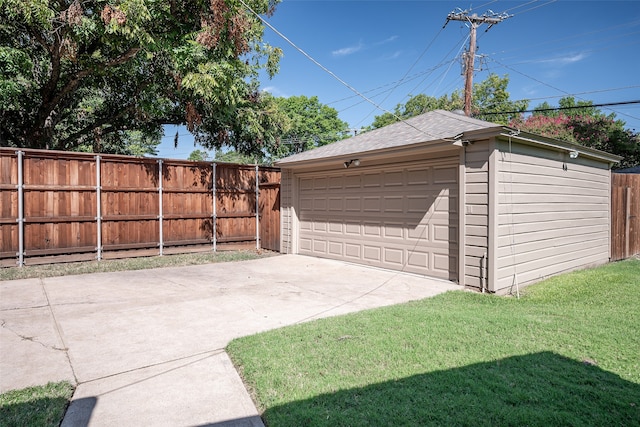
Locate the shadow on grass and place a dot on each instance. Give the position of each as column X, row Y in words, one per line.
column 41, row 411
column 537, row 389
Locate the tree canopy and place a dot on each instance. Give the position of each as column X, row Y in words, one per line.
column 489, row 96
column 309, row 124
column 574, row 121
column 86, row 74
column 582, row 123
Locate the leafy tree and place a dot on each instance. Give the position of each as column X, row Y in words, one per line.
column 77, row 74
column 417, row 105
column 490, row 99
column 568, row 107
column 198, row 156
column 243, row 159
column 310, row 124
column 584, row 124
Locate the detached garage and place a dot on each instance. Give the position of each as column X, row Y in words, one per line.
column 453, row 197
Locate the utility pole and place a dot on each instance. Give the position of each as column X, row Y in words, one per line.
column 474, row 21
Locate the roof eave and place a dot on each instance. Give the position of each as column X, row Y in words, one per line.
column 390, row 152
column 560, row 145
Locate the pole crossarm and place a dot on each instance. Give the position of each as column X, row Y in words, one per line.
column 491, row 18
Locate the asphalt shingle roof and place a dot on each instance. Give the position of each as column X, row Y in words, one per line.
column 432, row 126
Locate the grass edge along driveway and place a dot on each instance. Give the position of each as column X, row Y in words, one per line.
column 566, row 353
column 35, row 406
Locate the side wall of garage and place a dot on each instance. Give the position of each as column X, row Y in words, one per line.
column 476, row 213
column 552, row 214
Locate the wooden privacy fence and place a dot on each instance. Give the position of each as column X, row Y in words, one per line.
column 63, row 206
column 625, row 215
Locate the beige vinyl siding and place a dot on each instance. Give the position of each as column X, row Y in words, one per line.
column 476, row 205
column 286, row 211
column 550, row 219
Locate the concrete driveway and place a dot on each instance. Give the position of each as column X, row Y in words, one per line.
column 147, row 347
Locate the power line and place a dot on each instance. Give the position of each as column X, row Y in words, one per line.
column 413, row 77
column 483, row 6
column 580, row 36
column 552, row 87
column 331, row 73
column 398, row 82
column 536, row 7
column 584, row 93
column 539, row 110
column 520, row 5
column 405, row 74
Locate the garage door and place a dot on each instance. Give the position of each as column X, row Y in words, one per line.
column 402, row 217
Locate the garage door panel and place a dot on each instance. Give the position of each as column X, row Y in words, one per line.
column 320, row 246
column 447, row 205
column 372, row 253
column 441, row 262
column 306, row 225
column 393, row 204
column 418, row 259
column 319, row 227
column 305, row 244
column 320, row 204
column 336, row 227
column 320, row 183
column 371, row 204
column 335, row 204
column 444, row 175
column 306, row 184
column 352, row 251
column 394, row 256
column 441, row 233
column 352, row 204
column 394, row 179
column 336, row 248
column 372, row 230
column 404, row 219
column 394, row 231
column 418, row 203
column 335, row 182
column 419, row 232
column 306, row 204
column 418, row 176
column 352, row 228
column 352, row 181
column 372, row 180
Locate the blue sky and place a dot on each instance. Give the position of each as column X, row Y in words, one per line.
column 388, row 50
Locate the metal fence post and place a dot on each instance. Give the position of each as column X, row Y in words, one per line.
column 20, row 219
column 214, row 216
column 98, row 210
column 627, row 222
column 160, row 230
column 257, row 207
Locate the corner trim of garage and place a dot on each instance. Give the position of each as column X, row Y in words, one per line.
column 491, row 273
column 462, row 217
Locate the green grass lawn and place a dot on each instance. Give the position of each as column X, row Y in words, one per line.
column 35, row 406
column 566, row 353
column 128, row 264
